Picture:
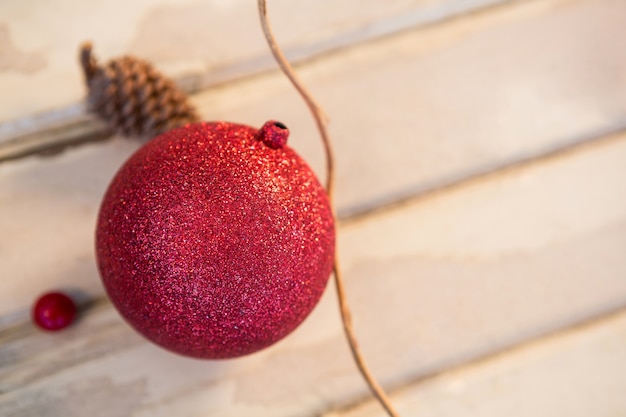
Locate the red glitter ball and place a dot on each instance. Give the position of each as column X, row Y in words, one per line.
column 215, row 240
column 54, row 311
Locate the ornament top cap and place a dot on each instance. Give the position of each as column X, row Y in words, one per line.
column 273, row 134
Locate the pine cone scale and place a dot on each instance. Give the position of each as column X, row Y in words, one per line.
column 133, row 97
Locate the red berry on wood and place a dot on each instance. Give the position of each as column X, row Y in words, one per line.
column 54, row 311
column 215, row 240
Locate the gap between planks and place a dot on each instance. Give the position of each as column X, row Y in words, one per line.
column 356, row 217
column 107, row 307
column 449, row 184
column 484, row 360
column 565, row 335
column 71, row 127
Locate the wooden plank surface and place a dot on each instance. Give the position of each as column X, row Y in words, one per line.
column 454, row 99
column 580, row 373
column 205, row 42
column 49, row 205
column 429, row 107
column 482, row 203
column 476, row 269
column 497, row 111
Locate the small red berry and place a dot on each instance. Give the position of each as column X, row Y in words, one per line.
column 54, row 311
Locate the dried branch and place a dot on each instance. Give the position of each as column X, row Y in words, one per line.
column 321, row 121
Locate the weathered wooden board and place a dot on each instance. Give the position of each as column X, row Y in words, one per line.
column 450, row 100
column 212, row 40
column 47, row 225
column 49, row 205
column 392, row 138
column 435, row 283
column 580, row 373
column 416, row 111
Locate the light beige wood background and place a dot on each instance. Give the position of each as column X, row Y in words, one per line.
column 481, row 153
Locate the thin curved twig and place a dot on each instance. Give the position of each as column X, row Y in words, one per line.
column 321, row 121
column 316, row 109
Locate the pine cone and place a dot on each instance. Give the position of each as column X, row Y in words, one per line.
column 132, row 97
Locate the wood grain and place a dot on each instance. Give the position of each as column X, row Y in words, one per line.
column 450, row 101
column 480, row 189
column 49, row 205
column 205, row 42
column 579, row 373
column 472, row 272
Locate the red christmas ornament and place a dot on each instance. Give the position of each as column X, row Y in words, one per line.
column 54, row 311
column 215, row 240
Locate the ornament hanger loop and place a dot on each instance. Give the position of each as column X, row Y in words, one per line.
column 274, row 134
